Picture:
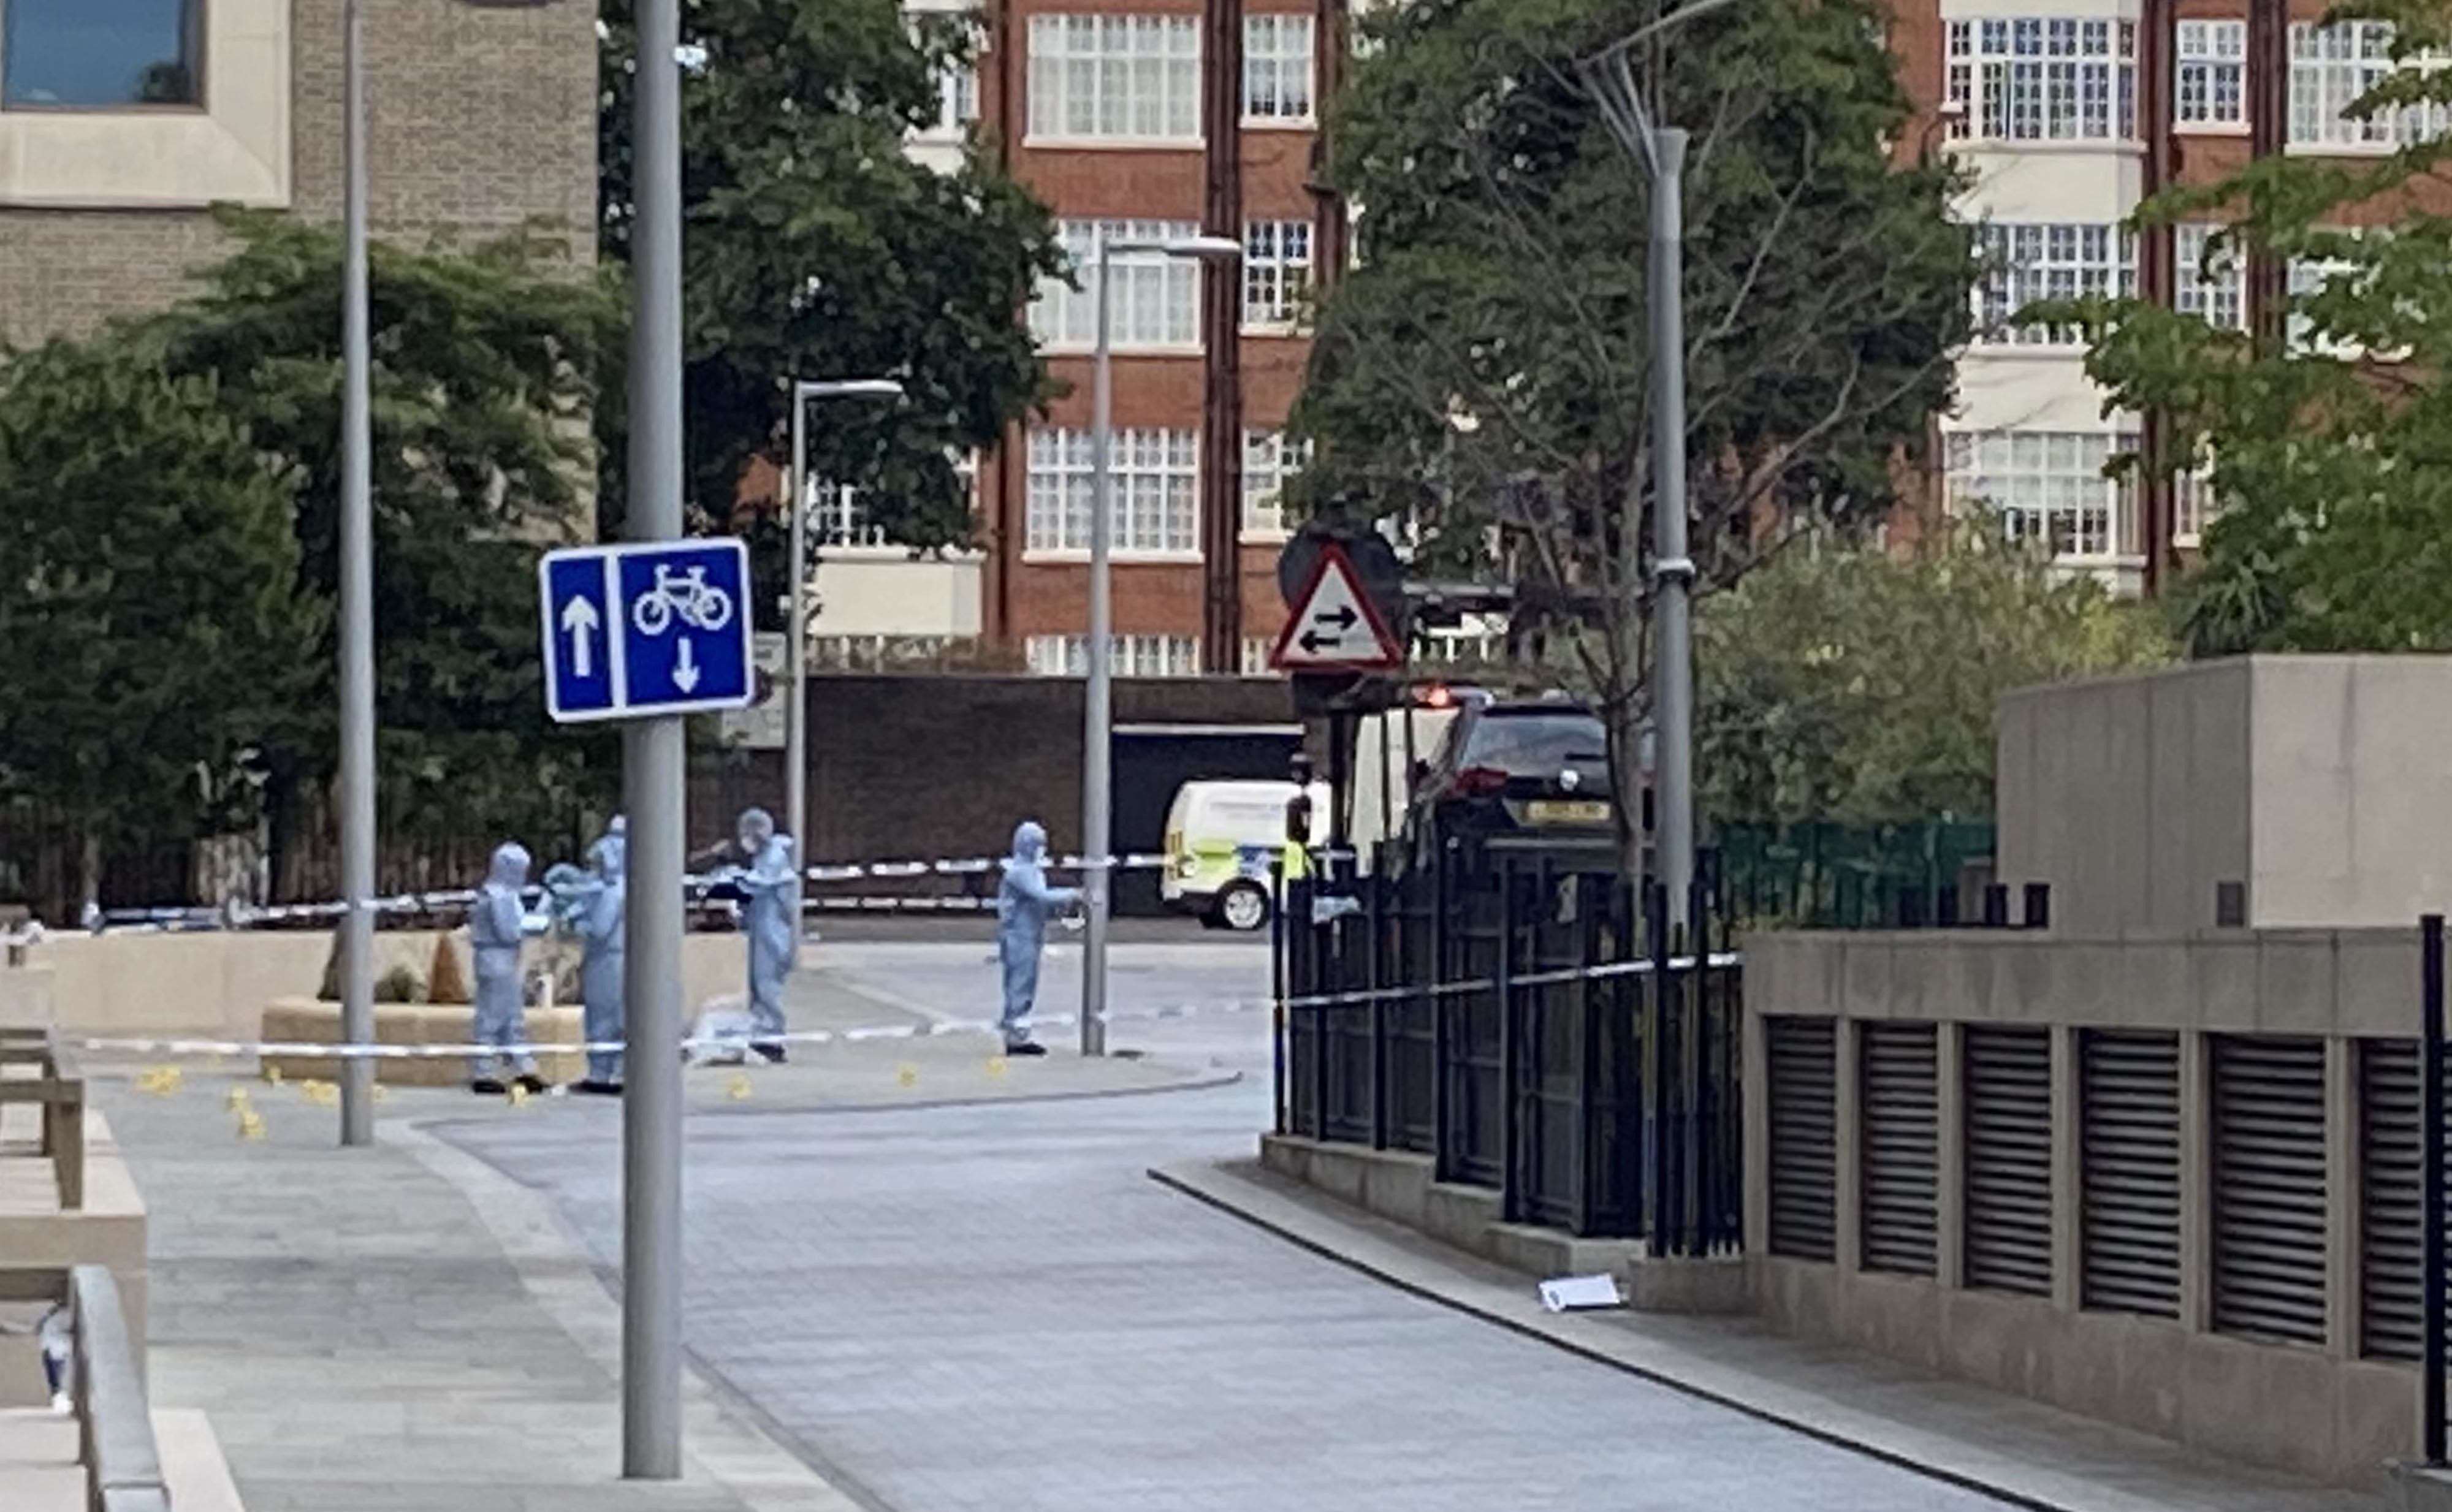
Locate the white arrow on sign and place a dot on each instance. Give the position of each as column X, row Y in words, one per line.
column 685, row 667
column 578, row 621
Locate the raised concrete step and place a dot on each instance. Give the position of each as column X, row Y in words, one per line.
column 39, row 1470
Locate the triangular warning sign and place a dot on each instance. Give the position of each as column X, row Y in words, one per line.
column 1335, row 626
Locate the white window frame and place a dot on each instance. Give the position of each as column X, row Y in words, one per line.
column 1156, row 482
column 1278, row 71
column 1113, row 81
column 2046, row 485
column 1131, row 655
column 1276, row 274
column 1270, row 458
column 2042, row 80
column 2031, row 261
column 2331, row 68
column 2194, row 506
column 2220, row 300
column 1157, row 297
column 2211, row 65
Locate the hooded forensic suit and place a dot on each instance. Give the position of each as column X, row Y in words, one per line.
column 771, row 919
column 1024, row 904
column 592, row 905
column 496, row 925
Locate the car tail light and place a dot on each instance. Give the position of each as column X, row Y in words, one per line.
column 1480, row 782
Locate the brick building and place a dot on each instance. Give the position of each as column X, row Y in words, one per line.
column 119, row 125
column 1155, row 119
column 2068, row 113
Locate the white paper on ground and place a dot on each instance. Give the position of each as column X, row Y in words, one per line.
column 1565, row 1293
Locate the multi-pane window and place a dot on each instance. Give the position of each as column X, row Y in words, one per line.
column 2212, row 66
column 2331, row 68
column 1276, row 271
column 1155, row 476
column 2049, row 486
column 2029, row 261
column 1270, row 457
column 98, row 56
column 958, row 97
column 1130, row 656
column 1113, row 76
column 1157, row 297
column 2194, row 506
column 2044, row 79
column 2215, row 293
column 1276, row 68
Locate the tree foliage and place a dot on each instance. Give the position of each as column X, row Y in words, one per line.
column 2326, row 440
column 482, row 378
column 1850, row 685
column 1483, row 375
column 816, row 247
column 153, row 618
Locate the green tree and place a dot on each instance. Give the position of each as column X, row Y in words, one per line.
column 484, row 359
column 2326, row 436
column 1845, row 683
column 816, row 247
column 154, row 620
column 1483, row 377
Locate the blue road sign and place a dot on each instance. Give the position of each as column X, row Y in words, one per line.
column 659, row 627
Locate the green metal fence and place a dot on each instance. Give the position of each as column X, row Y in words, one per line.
column 1819, row 875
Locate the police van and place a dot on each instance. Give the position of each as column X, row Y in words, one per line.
column 1221, row 839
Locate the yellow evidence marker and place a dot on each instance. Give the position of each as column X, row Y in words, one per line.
column 907, row 1074
column 739, row 1089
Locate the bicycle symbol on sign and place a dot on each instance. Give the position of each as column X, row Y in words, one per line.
column 683, row 594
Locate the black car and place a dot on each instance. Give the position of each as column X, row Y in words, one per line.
column 1534, row 770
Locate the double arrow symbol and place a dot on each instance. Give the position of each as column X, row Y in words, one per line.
column 1343, row 619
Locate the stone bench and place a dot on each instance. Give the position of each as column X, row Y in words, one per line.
column 308, row 1021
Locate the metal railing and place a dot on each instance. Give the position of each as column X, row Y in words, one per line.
column 58, row 1089
column 122, row 1465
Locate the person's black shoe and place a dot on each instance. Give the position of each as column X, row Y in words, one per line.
column 488, row 1087
column 769, row 1050
column 530, row 1083
column 1028, row 1047
column 596, row 1089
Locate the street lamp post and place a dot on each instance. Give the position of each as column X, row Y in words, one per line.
column 357, row 626
column 796, row 649
column 1660, row 151
column 1098, row 719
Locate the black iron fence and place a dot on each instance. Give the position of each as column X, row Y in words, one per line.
column 1534, row 1028
column 1821, row 874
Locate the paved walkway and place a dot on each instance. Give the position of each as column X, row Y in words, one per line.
column 970, row 1308
column 404, row 1329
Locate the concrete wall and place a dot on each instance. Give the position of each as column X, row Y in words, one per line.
column 2129, row 795
column 2319, row 783
column 217, row 985
column 2319, row 1411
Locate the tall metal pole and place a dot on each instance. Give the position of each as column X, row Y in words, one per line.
column 1673, row 571
column 357, row 607
column 652, row 755
column 796, row 649
column 1097, row 696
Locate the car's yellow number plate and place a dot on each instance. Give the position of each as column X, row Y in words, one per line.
column 1562, row 811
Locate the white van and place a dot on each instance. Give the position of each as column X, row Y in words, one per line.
column 1385, row 746
column 1220, row 838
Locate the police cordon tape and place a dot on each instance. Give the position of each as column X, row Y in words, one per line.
column 247, row 915
column 935, row 1029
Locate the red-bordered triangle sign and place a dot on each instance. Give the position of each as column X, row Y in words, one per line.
column 1335, row 626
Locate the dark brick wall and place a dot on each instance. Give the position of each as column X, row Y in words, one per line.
column 922, row 767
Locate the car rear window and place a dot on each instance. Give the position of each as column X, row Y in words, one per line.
column 1537, row 740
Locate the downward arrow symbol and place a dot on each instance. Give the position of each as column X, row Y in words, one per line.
column 685, row 667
